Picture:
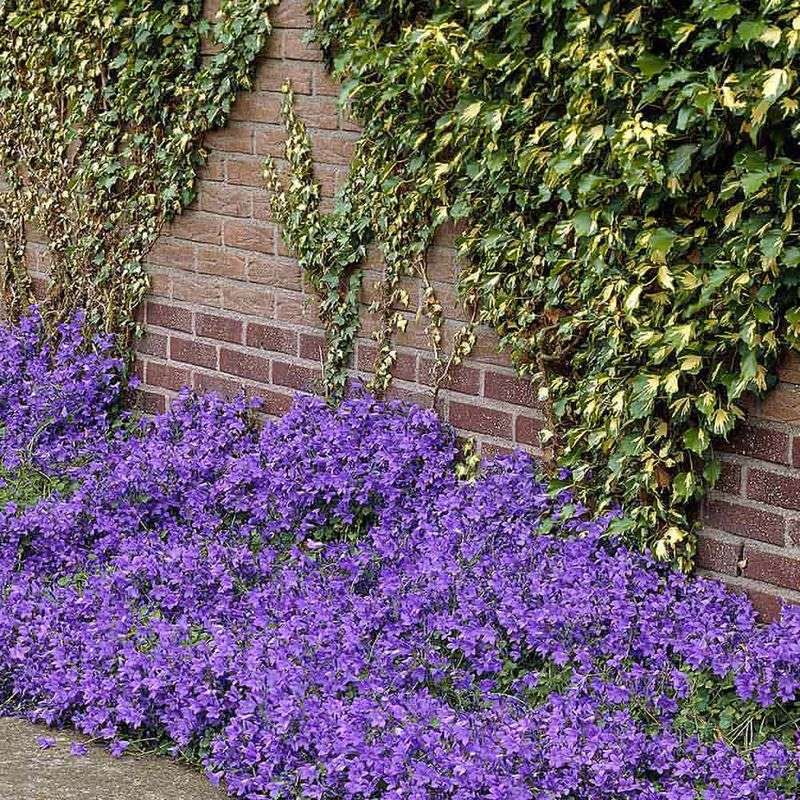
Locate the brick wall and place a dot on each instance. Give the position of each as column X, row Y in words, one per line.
column 751, row 534
column 228, row 310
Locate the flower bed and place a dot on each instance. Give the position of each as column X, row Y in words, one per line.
column 322, row 609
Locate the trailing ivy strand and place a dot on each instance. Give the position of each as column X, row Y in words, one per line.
column 626, row 175
column 103, row 109
column 377, row 204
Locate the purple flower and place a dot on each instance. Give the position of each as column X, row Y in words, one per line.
column 45, row 742
column 320, row 608
column 118, row 748
column 78, row 749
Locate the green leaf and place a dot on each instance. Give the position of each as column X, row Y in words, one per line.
column 661, row 241
column 721, row 12
column 650, row 65
column 750, row 29
column 644, row 390
column 697, row 440
column 776, row 82
column 681, row 159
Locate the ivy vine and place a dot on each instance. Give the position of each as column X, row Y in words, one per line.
column 103, row 109
column 627, row 177
column 377, row 204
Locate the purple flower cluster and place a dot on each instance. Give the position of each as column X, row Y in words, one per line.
column 56, row 395
column 321, row 609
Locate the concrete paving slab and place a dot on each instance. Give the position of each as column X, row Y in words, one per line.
column 28, row 772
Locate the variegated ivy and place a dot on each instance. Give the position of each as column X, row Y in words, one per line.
column 627, row 174
column 103, row 108
column 378, row 203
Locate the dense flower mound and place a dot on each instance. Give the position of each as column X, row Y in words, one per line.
column 321, row 609
column 56, row 398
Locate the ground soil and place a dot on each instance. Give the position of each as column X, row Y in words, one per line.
column 27, row 772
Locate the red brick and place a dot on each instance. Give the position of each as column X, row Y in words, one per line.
column 166, row 376
column 261, row 208
column 245, row 171
column 347, row 123
column 187, row 351
column 295, row 47
column 275, row 404
column 744, row 521
column 793, row 532
column 318, row 112
column 213, row 382
column 150, row 402
column 249, row 236
column 718, row 555
column 179, row 254
column 178, row 319
column 312, row 346
column 295, row 308
column 221, row 328
column 160, row 285
column 270, row 140
column 406, row 395
column 510, row 389
column 230, row 201
column 153, row 344
column 782, row 404
column 481, row 420
column 730, row 478
column 271, row 337
column 762, row 443
column 272, row 73
column 257, row 107
column 209, row 48
column 487, row 348
column 796, row 451
column 460, row 378
column 213, row 169
column 39, row 287
column 769, row 567
column 404, row 368
column 233, row 138
column 290, row 14
column 274, row 46
column 216, row 261
column 195, row 226
column 275, row 271
column 767, row 606
column 245, row 365
column 330, row 179
column 325, row 84
column 774, row 489
column 789, row 369
column 490, row 451
column 333, row 148
column 248, row 299
column 194, row 289
column 295, row 375
column 526, row 430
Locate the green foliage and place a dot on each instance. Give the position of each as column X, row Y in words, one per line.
column 713, row 711
column 627, row 177
column 378, row 203
column 27, row 485
column 328, row 246
column 103, row 108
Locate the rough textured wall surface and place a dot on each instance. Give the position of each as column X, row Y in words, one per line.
column 228, row 310
column 228, row 307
